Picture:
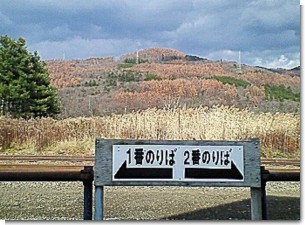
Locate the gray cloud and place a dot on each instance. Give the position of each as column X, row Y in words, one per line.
column 266, row 31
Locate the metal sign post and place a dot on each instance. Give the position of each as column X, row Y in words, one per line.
column 177, row 163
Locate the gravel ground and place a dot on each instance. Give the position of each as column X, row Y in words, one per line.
column 64, row 201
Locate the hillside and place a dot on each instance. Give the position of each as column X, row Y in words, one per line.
column 160, row 77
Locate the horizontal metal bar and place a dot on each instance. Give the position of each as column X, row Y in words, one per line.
column 85, row 175
column 40, row 176
column 281, row 176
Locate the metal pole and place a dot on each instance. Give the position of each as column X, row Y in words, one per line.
column 264, row 197
column 87, row 200
column 87, row 177
column 264, row 201
column 256, row 203
column 99, row 195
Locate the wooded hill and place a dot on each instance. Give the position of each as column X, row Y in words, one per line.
column 160, row 77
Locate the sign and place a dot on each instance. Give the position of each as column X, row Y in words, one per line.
column 178, row 163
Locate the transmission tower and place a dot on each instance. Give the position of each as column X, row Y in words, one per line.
column 239, row 63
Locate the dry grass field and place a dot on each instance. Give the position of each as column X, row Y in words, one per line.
column 279, row 133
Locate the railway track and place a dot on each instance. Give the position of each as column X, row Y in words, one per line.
column 72, row 168
column 25, row 165
column 39, row 168
column 47, row 158
column 90, row 159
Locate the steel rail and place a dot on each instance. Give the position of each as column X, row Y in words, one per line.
column 264, row 161
column 38, row 167
column 61, row 167
column 296, row 162
column 47, row 158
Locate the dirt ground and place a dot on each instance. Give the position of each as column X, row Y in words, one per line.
column 64, row 201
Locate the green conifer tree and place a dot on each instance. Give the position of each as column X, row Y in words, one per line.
column 25, row 89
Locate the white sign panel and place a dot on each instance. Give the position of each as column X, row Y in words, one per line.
column 178, row 163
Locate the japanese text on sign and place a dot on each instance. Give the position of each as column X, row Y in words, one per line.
column 178, row 158
column 149, row 157
column 166, row 157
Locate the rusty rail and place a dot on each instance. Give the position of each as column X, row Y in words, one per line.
column 43, row 158
column 39, row 167
column 264, row 161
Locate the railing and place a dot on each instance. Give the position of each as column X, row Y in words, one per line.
column 53, row 174
column 86, row 175
column 267, row 176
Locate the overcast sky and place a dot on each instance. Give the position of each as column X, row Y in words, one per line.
column 267, row 32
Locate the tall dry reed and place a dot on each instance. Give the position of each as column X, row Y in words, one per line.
column 278, row 132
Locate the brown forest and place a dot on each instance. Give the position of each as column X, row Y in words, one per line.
column 167, row 78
